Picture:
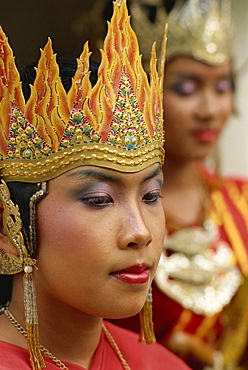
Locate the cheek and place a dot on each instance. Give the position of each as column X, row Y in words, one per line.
column 67, row 231
column 51, row 226
column 67, row 244
column 159, row 230
column 175, row 132
column 163, row 232
column 59, row 229
column 227, row 107
column 171, row 109
column 177, row 116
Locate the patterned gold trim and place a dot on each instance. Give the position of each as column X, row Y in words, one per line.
column 90, row 154
column 10, row 264
column 32, row 211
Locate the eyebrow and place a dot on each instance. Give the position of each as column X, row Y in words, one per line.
column 191, row 76
column 95, row 174
column 109, row 177
column 153, row 174
column 187, row 75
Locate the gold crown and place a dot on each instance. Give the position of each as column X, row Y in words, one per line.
column 115, row 124
column 202, row 29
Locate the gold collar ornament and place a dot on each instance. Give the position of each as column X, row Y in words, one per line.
column 201, row 29
column 115, row 124
column 195, row 276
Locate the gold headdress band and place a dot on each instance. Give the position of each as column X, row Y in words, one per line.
column 115, row 124
column 201, row 29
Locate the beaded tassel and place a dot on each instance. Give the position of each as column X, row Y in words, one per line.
column 31, row 317
column 146, row 323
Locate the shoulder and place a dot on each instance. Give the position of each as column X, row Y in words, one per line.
column 141, row 355
column 217, row 181
column 13, row 357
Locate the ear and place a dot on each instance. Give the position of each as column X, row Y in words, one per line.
column 5, row 243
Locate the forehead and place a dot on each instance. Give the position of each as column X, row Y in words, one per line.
column 189, row 67
column 103, row 174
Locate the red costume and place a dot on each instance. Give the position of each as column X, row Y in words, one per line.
column 139, row 356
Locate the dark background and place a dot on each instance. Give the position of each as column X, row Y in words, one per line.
column 69, row 23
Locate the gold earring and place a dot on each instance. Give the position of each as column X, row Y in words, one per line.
column 146, row 323
column 10, row 264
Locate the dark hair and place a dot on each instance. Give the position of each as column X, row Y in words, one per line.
column 21, row 192
column 67, row 69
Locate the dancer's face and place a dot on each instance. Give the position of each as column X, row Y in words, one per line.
column 100, row 236
column 198, row 99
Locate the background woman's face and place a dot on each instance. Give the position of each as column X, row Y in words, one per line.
column 93, row 227
column 198, row 99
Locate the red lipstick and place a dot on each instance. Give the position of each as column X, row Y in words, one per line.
column 206, row 136
column 138, row 274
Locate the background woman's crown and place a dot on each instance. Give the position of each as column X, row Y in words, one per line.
column 201, row 29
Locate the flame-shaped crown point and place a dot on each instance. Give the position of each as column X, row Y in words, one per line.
column 115, row 124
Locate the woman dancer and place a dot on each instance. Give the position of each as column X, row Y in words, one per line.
column 81, row 214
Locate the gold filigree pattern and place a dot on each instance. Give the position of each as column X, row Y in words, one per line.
column 9, row 263
column 196, row 276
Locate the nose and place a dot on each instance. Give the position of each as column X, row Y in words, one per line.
column 207, row 107
column 134, row 231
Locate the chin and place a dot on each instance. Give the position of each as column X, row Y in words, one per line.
column 201, row 156
column 124, row 312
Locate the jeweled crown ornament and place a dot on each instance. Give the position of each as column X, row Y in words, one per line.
column 115, row 124
column 201, row 29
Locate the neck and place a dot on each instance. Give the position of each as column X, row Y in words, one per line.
column 180, row 174
column 183, row 193
column 67, row 333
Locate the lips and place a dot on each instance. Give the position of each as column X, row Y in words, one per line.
column 206, row 136
column 137, row 274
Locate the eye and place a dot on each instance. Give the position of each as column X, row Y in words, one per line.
column 186, row 87
column 152, row 197
column 97, row 202
column 224, row 85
